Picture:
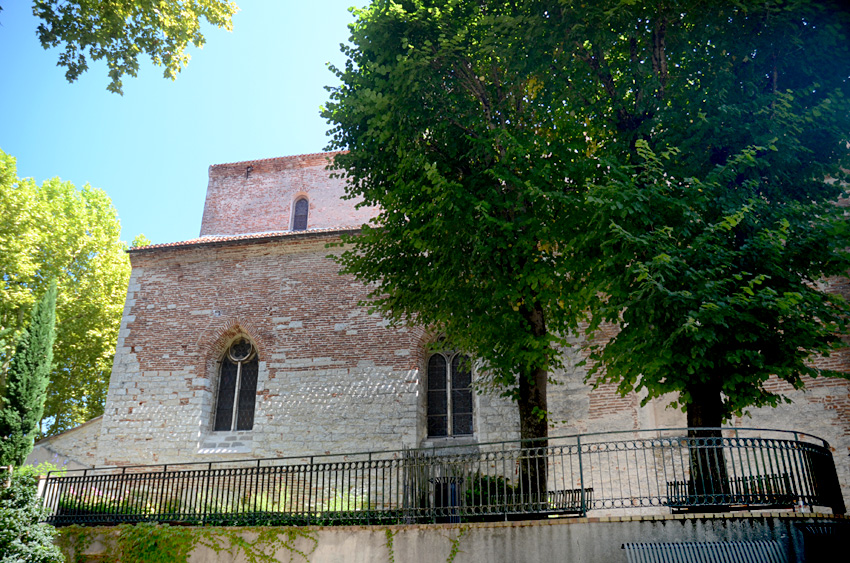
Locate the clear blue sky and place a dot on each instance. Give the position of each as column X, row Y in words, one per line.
column 250, row 94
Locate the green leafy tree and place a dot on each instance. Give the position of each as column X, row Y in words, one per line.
column 657, row 165
column 54, row 231
column 715, row 225
column 451, row 127
column 140, row 240
column 121, row 30
column 26, row 384
column 23, row 535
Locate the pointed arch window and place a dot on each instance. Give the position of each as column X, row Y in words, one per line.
column 449, row 395
column 299, row 216
column 237, row 387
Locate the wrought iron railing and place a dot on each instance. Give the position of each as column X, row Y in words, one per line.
column 650, row 471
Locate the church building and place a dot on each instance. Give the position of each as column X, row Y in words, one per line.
column 246, row 342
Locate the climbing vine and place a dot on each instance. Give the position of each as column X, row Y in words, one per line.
column 390, row 537
column 161, row 543
column 390, row 543
column 456, row 544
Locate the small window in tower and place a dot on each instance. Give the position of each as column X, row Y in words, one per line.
column 299, row 221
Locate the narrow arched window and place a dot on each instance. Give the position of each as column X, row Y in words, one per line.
column 237, row 387
column 299, row 218
column 449, row 395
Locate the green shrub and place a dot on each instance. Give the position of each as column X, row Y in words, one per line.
column 489, row 491
column 23, row 538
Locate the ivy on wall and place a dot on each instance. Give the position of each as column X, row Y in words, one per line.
column 161, row 543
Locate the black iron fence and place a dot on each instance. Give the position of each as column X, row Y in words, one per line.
column 651, row 471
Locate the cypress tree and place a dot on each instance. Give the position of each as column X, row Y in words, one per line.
column 22, row 405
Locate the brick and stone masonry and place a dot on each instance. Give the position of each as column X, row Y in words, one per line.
column 332, row 376
column 257, row 196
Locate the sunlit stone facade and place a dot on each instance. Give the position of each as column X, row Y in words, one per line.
column 331, row 377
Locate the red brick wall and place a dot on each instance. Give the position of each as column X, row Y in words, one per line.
column 258, row 196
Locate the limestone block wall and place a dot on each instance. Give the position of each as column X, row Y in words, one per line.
column 258, row 196
column 72, row 449
column 822, row 409
column 332, row 378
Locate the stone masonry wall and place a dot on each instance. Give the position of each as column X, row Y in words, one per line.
column 258, row 196
column 72, row 449
column 332, row 377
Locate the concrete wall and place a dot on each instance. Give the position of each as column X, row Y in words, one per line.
column 580, row 540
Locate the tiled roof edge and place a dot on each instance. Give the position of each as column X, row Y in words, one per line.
column 277, row 158
column 47, row 439
column 251, row 237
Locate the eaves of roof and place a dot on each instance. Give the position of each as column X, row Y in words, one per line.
column 49, row 439
column 293, row 157
column 215, row 240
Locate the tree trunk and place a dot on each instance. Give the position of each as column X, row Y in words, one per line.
column 534, row 423
column 709, row 483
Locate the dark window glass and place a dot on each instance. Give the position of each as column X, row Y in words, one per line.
column 462, row 424
column 461, row 372
column 461, row 396
column 247, row 395
column 461, row 402
column 240, row 350
column 437, row 373
column 438, row 426
column 449, row 396
column 302, row 207
column 226, row 394
column 438, row 406
column 239, row 367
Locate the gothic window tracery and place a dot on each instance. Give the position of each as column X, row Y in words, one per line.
column 449, row 397
column 237, row 387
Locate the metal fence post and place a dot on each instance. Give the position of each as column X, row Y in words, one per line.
column 582, row 506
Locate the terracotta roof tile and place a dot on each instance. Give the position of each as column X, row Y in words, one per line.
column 214, row 239
column 278, row 158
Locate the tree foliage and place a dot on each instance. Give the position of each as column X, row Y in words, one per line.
column 23, row 398
column 657, row 165
column 23, row 534
column 55, row 231
column 119, row 31
column 140, row 240
column 451, row 129
column 715, row 227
